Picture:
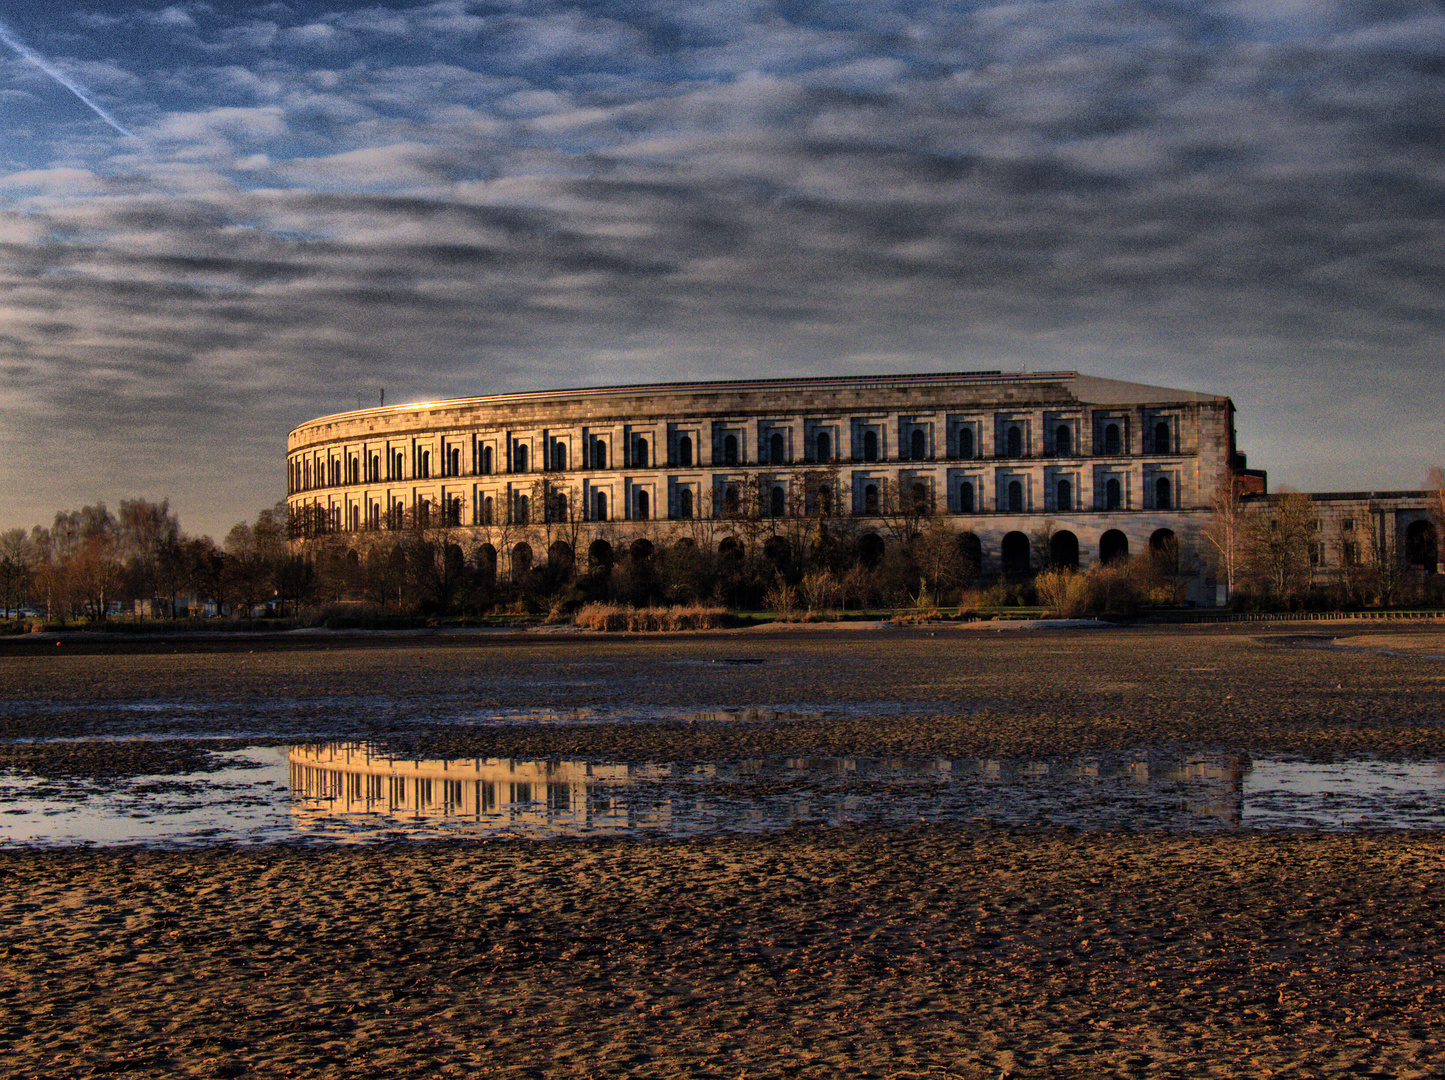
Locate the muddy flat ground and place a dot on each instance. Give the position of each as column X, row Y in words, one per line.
column 916, row 951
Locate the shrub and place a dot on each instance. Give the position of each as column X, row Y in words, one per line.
column 619, row 617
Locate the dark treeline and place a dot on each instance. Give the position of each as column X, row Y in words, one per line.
column 93, row 563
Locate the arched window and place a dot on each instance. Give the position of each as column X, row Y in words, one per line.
column 684, row 450
column 1163, row 495
column 524, row 509
column 456, row 462
column 775, row 448
column 917, row 445
column 825, row 447
column 965, row 497
column 870, row 498
column 1113, row 494
column 487, row 466
column 870, row 446
column 1163, row 438
column 425, row 470
column 1063, row 441
column 965, row 442
column 775, row 502
column 557, row 507
column 730, row 500
column 1065, row 498
column 643, row 506
column 375, row 468
column 1015, row 440
column 489, row 511
column 398, row 466
column 600, row 503
column 1113, row 443
column 599, row 454
column 519, row 457
column 918, row 493
column 639, row 453
column 825, row 500
column 1015, row 497
column 684, row 504
column 730, row 450
column 559, row 457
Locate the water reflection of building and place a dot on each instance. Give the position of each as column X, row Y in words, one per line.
column 353, row 778
column 552, row 797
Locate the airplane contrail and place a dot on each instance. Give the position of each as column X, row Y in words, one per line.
column 8, row 36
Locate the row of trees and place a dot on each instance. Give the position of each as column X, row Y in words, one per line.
column 1268, row 552
column 92, row 562
column 750, row 553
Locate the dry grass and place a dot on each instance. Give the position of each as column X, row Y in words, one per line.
column 621, row 617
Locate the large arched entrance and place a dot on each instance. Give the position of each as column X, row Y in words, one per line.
column 778, row 551
column 870, row 549
column 487, row 563
column 521, row 559
column 1014, row 554
column 1422, row 546
column 970, row 556
column 1064, row 549
column 1113, row 547
column 599, row 555
column 1164, row 549
column 561, row 558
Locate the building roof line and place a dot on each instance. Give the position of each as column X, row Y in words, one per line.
column 701, row 385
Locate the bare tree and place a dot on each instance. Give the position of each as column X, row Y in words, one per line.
column 1280, row 536
column 1226, row 532
column 149, row 537
column 17, row 569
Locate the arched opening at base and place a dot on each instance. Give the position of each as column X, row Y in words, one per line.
column 870, row 549
column 1064, row 549
column 521, row 559
column 1014, row 554
column 599, row 555
column 1164, row 550
column 1422, row 546
column 561, row 558
column 1113, row 547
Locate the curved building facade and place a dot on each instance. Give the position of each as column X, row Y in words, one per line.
column 1101, row 467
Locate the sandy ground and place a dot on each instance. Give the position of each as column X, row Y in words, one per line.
column 928, row 951
column 937, row 953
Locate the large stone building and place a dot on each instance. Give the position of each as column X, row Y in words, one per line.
column 1112, row 466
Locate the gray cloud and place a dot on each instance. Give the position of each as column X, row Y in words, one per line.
column 462, row 198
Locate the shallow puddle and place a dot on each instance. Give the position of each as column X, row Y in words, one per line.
column 352, row 792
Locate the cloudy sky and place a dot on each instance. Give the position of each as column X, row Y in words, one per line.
column 217, row 221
